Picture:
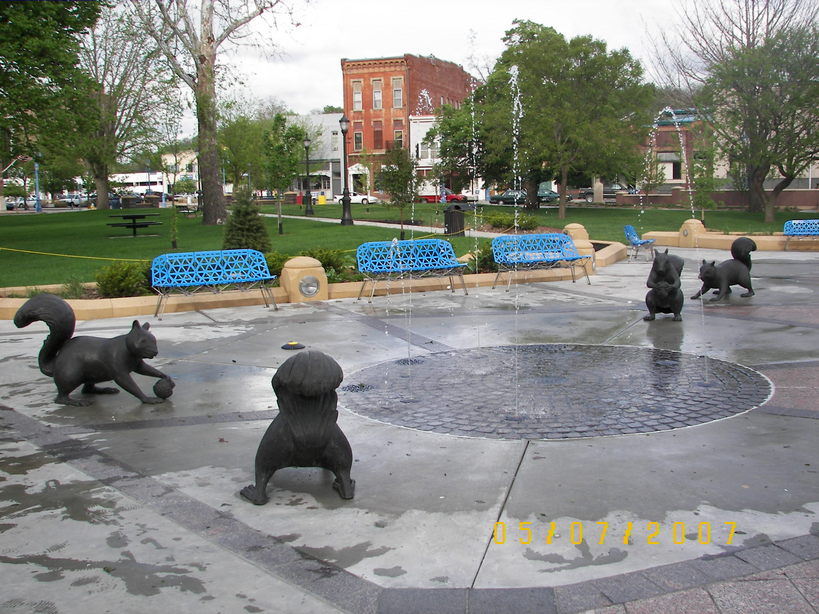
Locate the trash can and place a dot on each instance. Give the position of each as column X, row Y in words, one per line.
column 454, row 221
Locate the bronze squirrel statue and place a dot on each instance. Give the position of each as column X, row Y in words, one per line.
column 734, row 272
column 665, row 294
column 665, row 267
column 305, row 432
column 72, row 361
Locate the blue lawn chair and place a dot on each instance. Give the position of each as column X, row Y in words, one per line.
column 636, row 242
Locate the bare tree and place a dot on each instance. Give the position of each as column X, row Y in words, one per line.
column 169, row 141
column 749, row 66
column 710, row 31
column 191, row 50
column 128, row 92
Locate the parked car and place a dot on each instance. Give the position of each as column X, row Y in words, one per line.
column 449, row 196
column 360, row 199
column 547, row 196
column 15, row 202
column 509, row 197
column 114, row 200
column 609, row 192
column 71, row 200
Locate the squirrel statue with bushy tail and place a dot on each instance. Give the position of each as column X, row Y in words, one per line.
column 733, row 272
column 72, row 361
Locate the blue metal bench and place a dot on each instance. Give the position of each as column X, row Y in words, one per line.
column 636, row 242
column 188, row 272
column 800, row 228
column 387, row 260
column 536, row 251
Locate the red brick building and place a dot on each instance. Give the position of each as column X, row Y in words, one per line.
column 380, row 94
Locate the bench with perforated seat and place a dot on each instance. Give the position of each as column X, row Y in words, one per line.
column 388, row 260
column 526, row 252
column 795, row 229
column 189, row 272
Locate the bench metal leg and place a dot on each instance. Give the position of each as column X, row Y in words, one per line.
column 268, row 293
column 463, row 283
column 364, row 285
column 585, row 271
column 509, row 280
column 159, row 303
column 361, row 290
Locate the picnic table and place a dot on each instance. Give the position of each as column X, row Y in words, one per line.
column 134, row 221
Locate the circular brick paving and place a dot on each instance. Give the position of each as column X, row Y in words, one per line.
column 552, row 391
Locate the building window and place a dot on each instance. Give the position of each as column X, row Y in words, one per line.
column 427, row 151
column 334, row 140
column 357, row 96
column 378, row 135
column 377, row 93
column 358, row 136
column 676, row 170
column 398, row 138
column 397, row 92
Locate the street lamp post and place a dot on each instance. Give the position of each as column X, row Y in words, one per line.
column 346, row 216
column 38, row 205
column 308, row 198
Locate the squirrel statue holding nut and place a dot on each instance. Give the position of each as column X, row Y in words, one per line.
column 72, row 361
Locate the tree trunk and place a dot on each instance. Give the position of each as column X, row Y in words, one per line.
column 531, row 194
column 100, row 172
column 770, row 208
column 564, row 179
column 213, row 198
column 757, row 197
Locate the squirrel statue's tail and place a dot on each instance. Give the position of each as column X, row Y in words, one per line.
column 59, row 317
column 741, row 250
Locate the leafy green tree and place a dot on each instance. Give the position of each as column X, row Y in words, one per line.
column 705, row 181
column 455, row 135
column 761, row 103
column 552, row 107
column 185, row 185
column 283, row 151
column 245, row 228
column 41, row 87
column 241, row 145
column 397, row 177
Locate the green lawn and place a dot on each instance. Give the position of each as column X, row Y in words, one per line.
column 604, row 224
column 67, row 247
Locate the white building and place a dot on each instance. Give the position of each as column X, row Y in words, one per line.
column 428, row 155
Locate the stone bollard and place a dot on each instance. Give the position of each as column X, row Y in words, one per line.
column 580, row 236
column 689, row 231
column 304, row 279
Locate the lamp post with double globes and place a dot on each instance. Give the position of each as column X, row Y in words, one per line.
column 346, row 216
column 308, row 198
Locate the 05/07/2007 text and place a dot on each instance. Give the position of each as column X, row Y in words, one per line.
column 630, row 534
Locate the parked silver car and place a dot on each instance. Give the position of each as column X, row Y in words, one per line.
column 361, row 199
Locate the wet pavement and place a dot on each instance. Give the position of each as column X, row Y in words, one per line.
column 494, row 469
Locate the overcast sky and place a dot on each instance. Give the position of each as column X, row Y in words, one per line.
column 305, row 72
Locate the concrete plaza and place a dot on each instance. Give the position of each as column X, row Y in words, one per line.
column 125, row 507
